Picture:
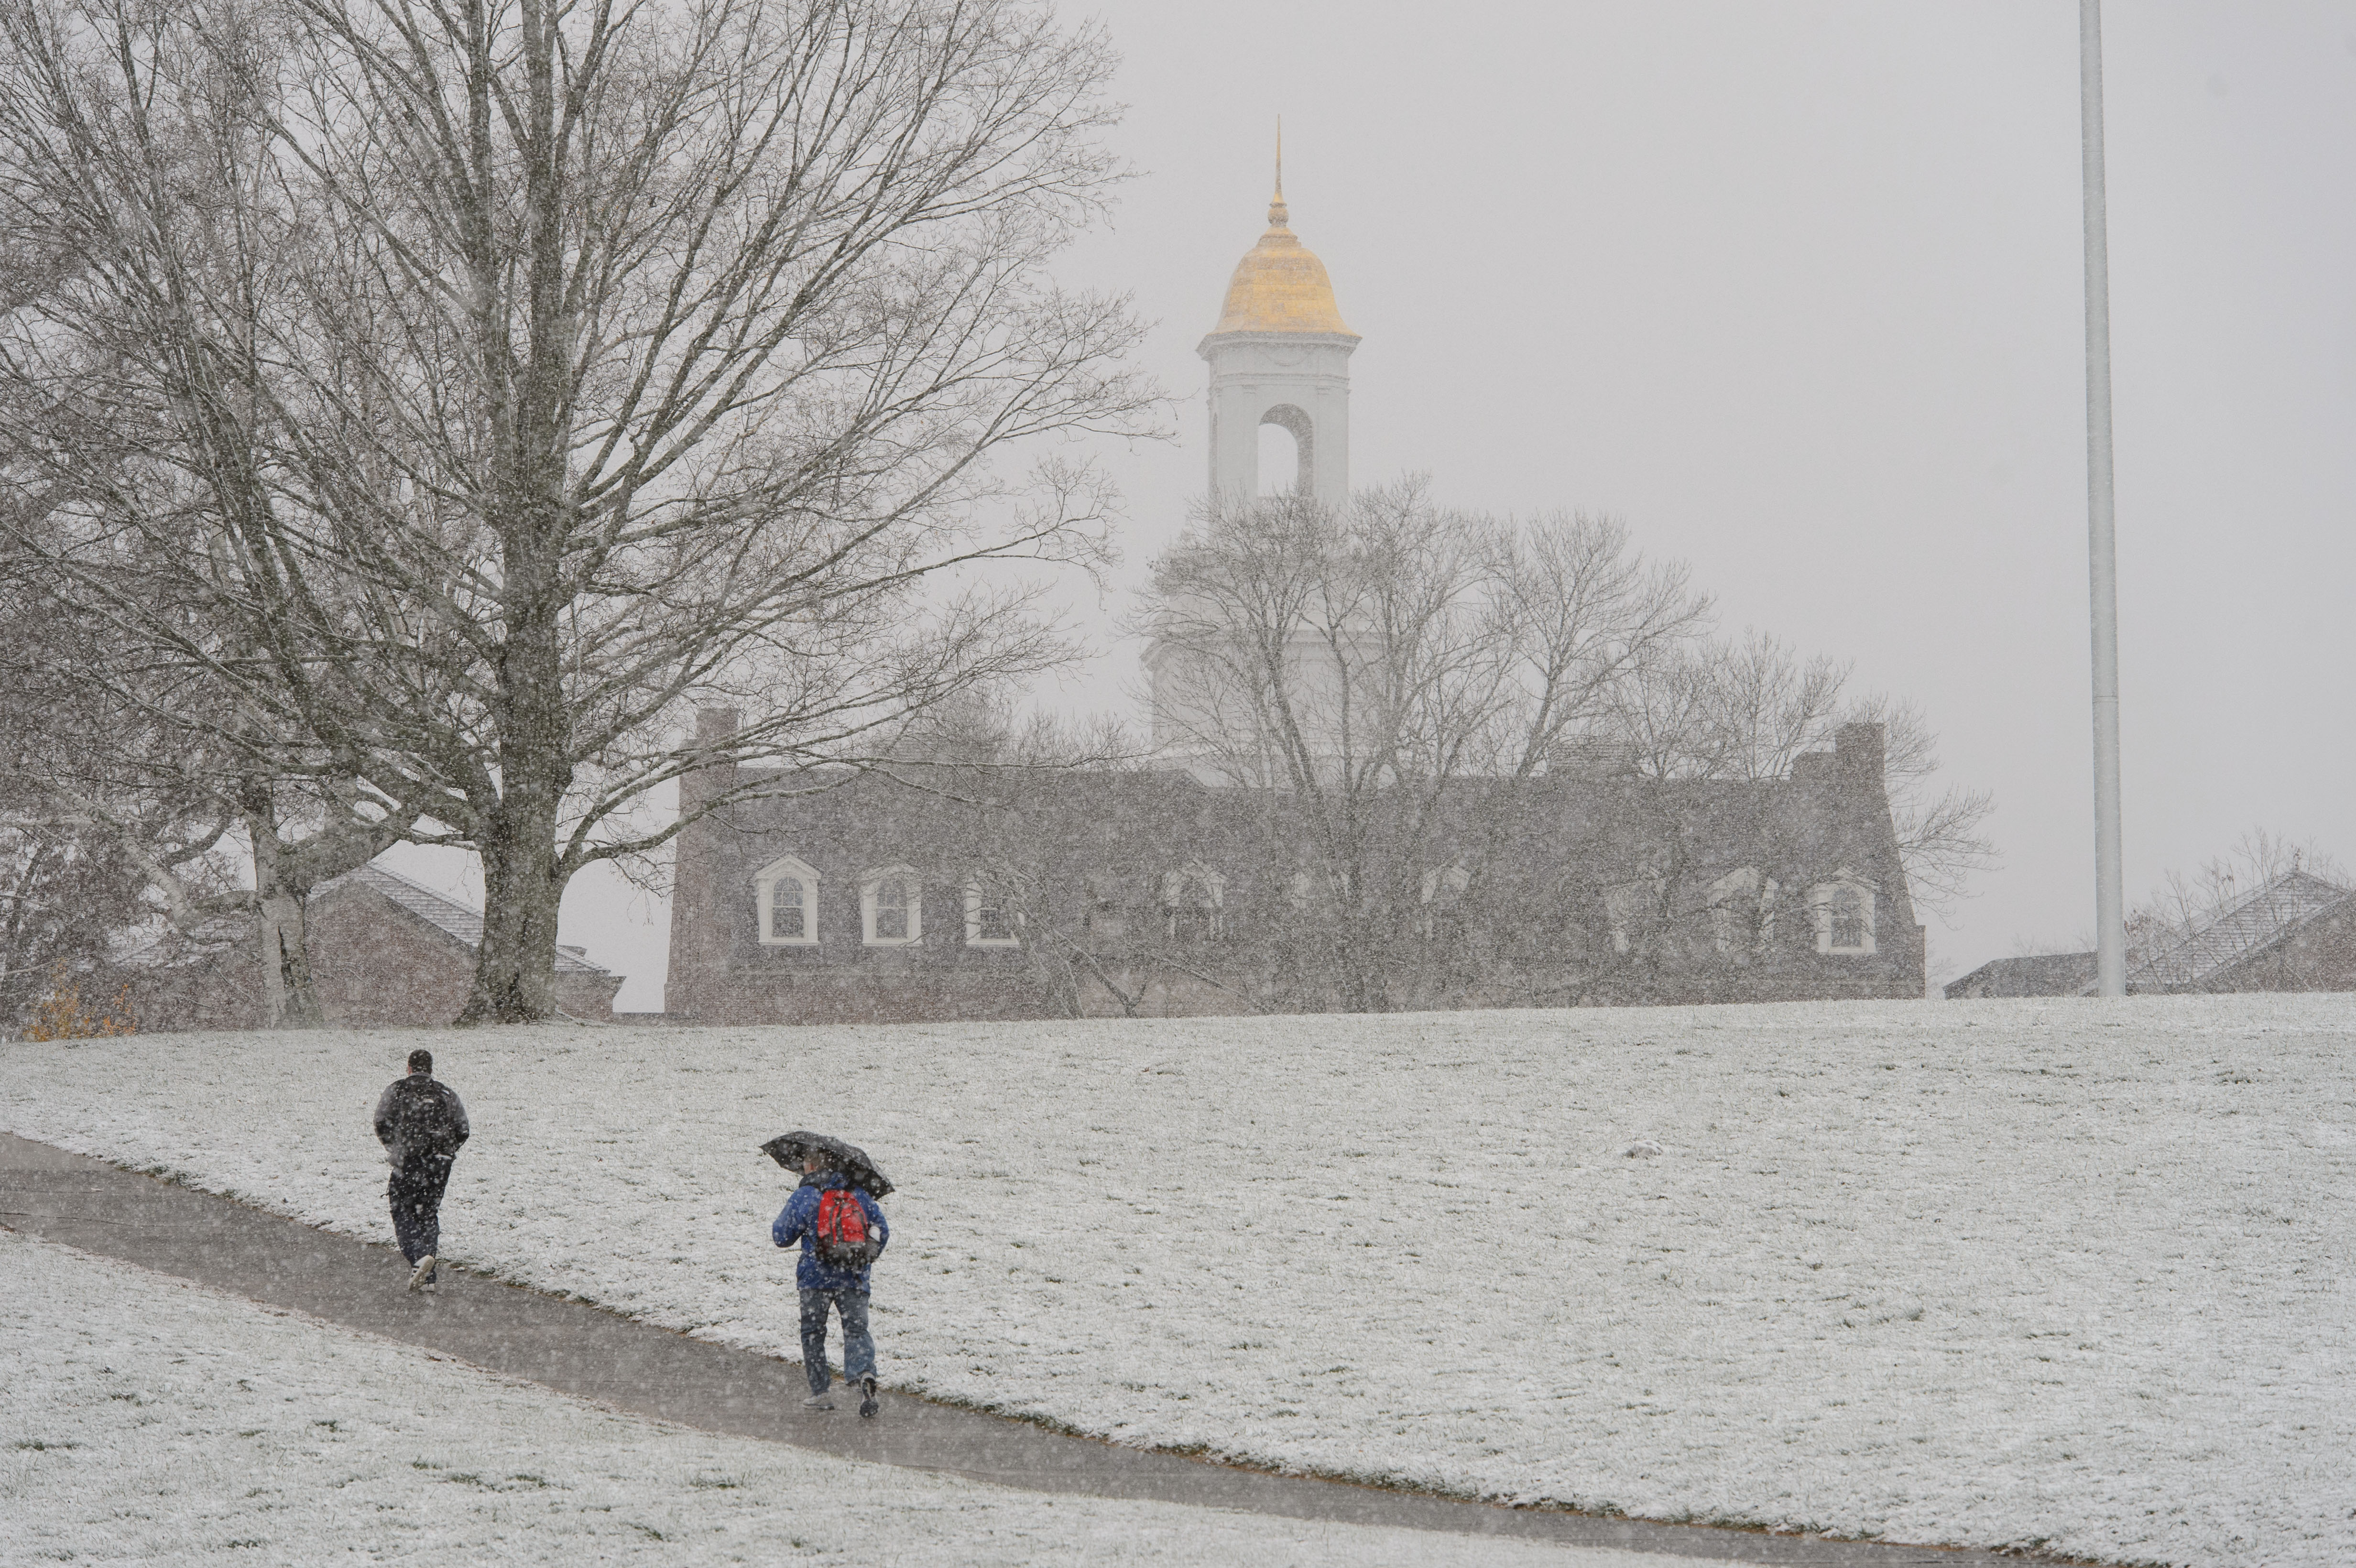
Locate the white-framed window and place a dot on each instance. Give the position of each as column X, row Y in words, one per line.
column 1194, row 901
column 1843, row 910
column 991, row 919
column 1633, row 910
column 1310, row 891
column 1446, row 884
column 1742, row 911
column 890, row 907
column 1103, row 906
column 786, row 893
column 1443, row 889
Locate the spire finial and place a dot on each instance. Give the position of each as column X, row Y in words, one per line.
column 1276, row 210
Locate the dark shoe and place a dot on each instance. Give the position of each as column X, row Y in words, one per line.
column 868, row 1403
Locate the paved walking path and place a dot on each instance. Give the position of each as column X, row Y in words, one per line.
column 595, row 1354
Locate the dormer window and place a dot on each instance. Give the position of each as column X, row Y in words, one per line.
column 991, row 917
column 1742, row 911
column 1309, row 891
column 1104, row 907
column 890, row 907
column 786, row 892
column 1844, row 909
column 1443, row 891
column 1634, row 910
column 1193, row 899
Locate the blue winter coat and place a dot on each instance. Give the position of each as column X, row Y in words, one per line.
column 796, row 1221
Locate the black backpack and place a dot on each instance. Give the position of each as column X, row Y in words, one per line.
column 422, row 1122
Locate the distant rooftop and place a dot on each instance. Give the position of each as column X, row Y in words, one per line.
column 2044, row 975
column 2239, row 931
column 445, row 914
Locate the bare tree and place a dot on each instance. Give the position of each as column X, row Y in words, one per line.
column 536, row 372
column 2186, row 902
column 1938, row 827
column 1370, row 662
column 1723, row 709
column 153, row 762
column 65, row 903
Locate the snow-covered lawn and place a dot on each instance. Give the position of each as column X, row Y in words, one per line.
column 150, row 1420
column 2071, row 1274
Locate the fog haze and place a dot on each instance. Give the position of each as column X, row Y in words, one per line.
column 1795, row 290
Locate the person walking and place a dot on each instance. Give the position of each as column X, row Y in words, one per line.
column 841, row 1232
column 421, row 1122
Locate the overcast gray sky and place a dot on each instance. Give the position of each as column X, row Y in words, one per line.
column 1794, row 288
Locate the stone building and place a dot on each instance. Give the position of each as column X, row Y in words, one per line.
column 385, row 953
column 936, row 892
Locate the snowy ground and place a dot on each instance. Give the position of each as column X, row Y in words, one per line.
column 2063, row 1274
column 150, row 1420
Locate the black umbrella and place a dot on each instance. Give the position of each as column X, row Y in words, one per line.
column 790, row 1150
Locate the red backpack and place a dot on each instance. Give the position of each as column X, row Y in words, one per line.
column 841, row 1236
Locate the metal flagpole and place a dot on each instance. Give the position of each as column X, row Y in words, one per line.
column 2110, row 900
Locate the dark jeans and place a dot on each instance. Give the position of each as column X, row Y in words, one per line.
column 858, row 1346
column 415, row 1192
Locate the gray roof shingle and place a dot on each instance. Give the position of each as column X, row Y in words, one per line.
column 2240, row 930
column 446, row 915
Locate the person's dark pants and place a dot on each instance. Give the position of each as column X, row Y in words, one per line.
column 415, row 1193
column 858, row 1346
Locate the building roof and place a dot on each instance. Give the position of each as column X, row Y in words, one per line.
column 1280, row 285
column 2044, row 975
column 445, row 916
column 2239, row 931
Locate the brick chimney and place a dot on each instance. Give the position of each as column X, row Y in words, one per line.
column 1858, row 749
column 1814, row 767
column 1590, row 759
column 698, row 916
column 712, row 728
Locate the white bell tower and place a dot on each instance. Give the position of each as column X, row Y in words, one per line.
column 1279, row 355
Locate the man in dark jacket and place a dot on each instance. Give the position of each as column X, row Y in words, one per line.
column 420, row 1124
column 825, row 1284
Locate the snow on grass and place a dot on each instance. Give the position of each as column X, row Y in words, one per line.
column 150, row 1420
column 2067, row 1273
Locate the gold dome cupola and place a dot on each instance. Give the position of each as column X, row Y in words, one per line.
column 1279, row 355
column 1280, row 285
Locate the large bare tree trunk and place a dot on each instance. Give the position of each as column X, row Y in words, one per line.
column 523, row 869
column 289, row 1000
column 515, row 967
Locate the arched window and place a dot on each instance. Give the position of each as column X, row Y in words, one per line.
column 786, row 892
column 1635, row 910
column 1296, row 421
column 1844, row 909
column 1444, row 892
column 1194, row 901
column 1737, row 909
column 1104, row 909
column 890, row 907
column 991, row 919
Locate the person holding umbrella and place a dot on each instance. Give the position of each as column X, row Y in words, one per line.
column 834, row 1215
